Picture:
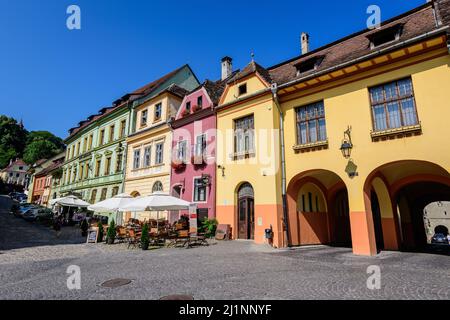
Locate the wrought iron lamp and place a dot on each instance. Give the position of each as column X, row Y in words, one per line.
column 347, row 145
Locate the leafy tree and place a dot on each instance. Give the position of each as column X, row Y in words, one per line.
column 39, row 149
column 45, row 135
column 13, row 138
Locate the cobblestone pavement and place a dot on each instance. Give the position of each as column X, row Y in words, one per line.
column 226, row 270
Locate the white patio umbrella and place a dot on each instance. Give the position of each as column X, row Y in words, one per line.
column 70, row 201
column 112, row 204
column 158, row 201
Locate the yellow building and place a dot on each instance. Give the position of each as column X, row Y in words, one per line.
column 149, row 148
column 365, row 130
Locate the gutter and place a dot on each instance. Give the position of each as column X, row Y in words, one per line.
column 274, row 89
column 366, row 57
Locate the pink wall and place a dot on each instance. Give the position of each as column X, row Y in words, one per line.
column 189, row 132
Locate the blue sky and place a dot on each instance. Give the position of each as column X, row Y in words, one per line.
column 53, row 77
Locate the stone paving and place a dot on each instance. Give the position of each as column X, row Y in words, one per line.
column 33, row 265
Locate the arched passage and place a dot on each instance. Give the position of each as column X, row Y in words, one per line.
column 397, row 194
column 318, row 209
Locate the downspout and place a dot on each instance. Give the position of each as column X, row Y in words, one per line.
column 274, row 89
column 125, row 155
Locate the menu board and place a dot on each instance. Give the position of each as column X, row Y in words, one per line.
column 92, row 235
column 193, row 220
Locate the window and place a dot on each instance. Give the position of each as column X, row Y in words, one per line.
column 101, row 140
column 181, row 150
column 136, row 159
column 81, row 172
column 393, row 105
column 111, row 133
column 159, row 153
column 200, row 101
column 309, row 65
column 158, row 110
column 311, row 124
column 115, row 191
column 157, row 187
column 188, row 106
column 199, row 190
column 200, row 145
column 86, row 170
column 98, row 164
column 147, row 155
column 93, row 196
column 144, row 116
column 91, row 138
column 108, row 166
column 85, row 144
column 385, row 36
column 78, row 148
column 119, row 163
column 244, row 135
column 103, row 194
column 123, row 126
column 242, row 89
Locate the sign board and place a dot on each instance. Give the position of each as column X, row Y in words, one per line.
column 223, row 232
column 92, row 235
column 193, row 220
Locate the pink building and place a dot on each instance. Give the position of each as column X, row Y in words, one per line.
column 194, row 148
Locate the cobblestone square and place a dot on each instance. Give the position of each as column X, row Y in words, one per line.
column 33, row 265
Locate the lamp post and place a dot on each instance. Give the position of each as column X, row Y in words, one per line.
column 347, row 145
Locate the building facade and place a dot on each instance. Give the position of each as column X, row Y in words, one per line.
column 193, row 176
column 149, row 145
column 362, row 125
column 15, row 172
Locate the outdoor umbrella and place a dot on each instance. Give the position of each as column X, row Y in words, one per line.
column 70, row 201
column 112, row 204
column 157, row 201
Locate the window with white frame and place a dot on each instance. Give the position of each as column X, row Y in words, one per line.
column 157, row 187
column 136, row 159
column 147, row 156
column 200, row 145
column 159, row 153
column 199, row 190
column 144, row 117
column 182, row 150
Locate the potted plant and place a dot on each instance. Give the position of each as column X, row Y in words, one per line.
column 111, row 235
column 209, row 227
column 197, row 108
column 186, row 112
column 100, row 232
column 145, row 239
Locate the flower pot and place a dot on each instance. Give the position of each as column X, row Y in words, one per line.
column 145, row 246
column 110, row 241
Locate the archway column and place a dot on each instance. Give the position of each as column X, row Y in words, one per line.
column 361, row 221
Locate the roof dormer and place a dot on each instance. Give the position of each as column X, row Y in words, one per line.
column 385, row 36
column 310, row 64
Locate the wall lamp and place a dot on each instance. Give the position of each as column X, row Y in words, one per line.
column 223, row 170
column 347, row 145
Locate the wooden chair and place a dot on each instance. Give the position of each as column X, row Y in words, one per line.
column 134, row 239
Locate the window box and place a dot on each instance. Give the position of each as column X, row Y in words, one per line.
column 396, row 132
column 197, row 108
column 178, row 164
column 185, row 112
column 311, row 146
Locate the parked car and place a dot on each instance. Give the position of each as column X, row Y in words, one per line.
column 38, row 214
column 439, row 239
column 24, row 208
column 20, row 197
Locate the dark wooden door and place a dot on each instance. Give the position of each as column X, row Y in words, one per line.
column 246, row 223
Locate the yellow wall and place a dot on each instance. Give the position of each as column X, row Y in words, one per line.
column 254, row 84
column 349, row 105
column 261, row 171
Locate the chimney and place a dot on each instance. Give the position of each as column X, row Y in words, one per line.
column 304, row 42
column 227, row 67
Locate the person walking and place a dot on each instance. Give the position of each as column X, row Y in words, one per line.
column 57, row 226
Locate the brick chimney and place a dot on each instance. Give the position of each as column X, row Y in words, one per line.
column 304, row 39
column 227, row 67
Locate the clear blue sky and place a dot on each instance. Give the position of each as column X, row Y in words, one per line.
column 53, row 78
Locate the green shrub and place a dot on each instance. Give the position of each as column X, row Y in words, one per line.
column 209, row 227
column 100, row 232
column 111, row 231
column 145, row 240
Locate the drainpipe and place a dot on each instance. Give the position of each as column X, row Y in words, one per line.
column 274, row 89
column 125, row 155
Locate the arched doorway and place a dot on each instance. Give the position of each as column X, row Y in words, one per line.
column 246, row 212
column 318, row 209
column 398, row 194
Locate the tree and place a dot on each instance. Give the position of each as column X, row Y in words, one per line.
column 41, row 145
column 13, row 138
